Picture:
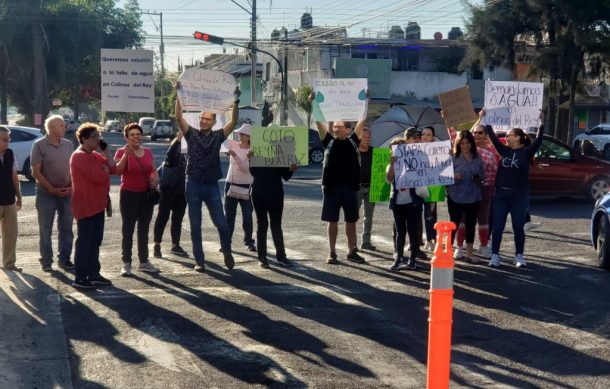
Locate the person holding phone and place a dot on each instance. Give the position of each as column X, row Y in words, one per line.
column 90, row 172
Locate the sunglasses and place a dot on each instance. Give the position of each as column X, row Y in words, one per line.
column 478, row 132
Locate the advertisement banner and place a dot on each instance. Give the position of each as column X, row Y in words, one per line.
column 339, row 99
column 127, row 80
column 279, row 146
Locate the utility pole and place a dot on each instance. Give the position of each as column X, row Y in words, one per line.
column 253, row 56
column 284, row 112
column 161, row 54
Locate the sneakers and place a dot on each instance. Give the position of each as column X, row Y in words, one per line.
column 229, row 260
column 531, row 226
column 458, row 253
column 412, row 264
column 473, row 260
column 398, row 265
column 430, row 246
column 157, row 251
column 126, row 269
column 82, row 284
column 284, row 262
column 251, row 248
column 47, row 268
column 199, row 268
column 332, row 258
column 353, row 256
column 99, row 280
column 368, row 246
column 520, row 261
column 494, row 261
column 66, row 265
column 147, row 267
column 263, row 263
column 13, row 268
column 484, row 252
column 179, row 251
column 421, row 255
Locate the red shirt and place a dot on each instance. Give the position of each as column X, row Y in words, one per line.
column 90, row 183
column 137, row 173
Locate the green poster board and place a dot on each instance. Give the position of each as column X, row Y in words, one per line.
column 279, row 146
column 380, row 189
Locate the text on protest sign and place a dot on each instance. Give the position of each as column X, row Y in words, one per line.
column 279, row 146
column 457, row 107
column 339, row 99
column 379, row 191
column 206, row 90
column 423, row 164
column 511, row 104
column 127, row 80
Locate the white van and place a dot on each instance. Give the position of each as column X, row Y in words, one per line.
column 146, row 123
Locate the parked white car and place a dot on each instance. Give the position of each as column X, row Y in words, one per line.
column 146, row 123
column 599, row 136
column 22, row 139
column 113, row 125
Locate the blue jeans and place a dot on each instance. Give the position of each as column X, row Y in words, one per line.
column 516, row 203
column 87, row 251
column 47, row 205
column 246, row 216
column 208, row 193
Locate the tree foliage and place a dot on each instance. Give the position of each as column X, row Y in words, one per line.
column 302, row 100
column 52, row 47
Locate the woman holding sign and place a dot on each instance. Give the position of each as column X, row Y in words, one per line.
column 464, row 196
column 237, row 185
column 512, row 187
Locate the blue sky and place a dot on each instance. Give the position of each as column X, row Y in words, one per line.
column 224, row 18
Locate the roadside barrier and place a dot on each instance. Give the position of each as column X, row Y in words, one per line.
column 441, row 308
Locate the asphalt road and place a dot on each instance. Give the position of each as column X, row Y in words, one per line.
column 312, row 325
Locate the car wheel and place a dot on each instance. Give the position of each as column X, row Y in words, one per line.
column 27, row 170
column 597, row 188
column 603, row 242
column 607, row 152
column 316, row 155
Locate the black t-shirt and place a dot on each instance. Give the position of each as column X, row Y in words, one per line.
column 366, row 159
column 341, row 162
column 267, row 181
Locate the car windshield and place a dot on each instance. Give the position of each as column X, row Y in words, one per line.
column 552, row 150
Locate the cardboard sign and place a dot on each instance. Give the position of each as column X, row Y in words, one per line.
column 423, row 164
column 379, row 191
column 510, row 104
column 279, row 146
column 457, row 107
column 206, row 90
column 339, row 99
column 127, row 80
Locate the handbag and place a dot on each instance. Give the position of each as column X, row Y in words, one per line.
column 240, row 192
column 154, row 196
column 168, row 175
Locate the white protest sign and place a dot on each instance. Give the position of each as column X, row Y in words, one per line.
column 423, row 164
column 127, row 80
column 340, row 99
column 510, row 104
column 206, row 90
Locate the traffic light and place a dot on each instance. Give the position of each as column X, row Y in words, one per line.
column 208, row 38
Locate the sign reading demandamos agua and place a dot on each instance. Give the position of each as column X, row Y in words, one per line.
column 457, row 107
column 206, row 90
column 379, row 191
column 279, row 146
column 511, row 104
column 127, row 80
column 339, row 99
column 423, row 164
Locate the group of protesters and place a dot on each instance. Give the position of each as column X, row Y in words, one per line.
column 491, row 181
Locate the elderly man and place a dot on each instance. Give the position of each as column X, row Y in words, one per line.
column 50, row 159
column 202, row 175
column 10, row 201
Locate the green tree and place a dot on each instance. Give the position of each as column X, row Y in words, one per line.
column 302, row 100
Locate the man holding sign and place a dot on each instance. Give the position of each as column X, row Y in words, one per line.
column 202, row 175
column 340, row 183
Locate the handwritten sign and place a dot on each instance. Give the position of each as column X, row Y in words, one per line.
column 279, row 146
column 339, row 99
column 206, row 90
column 513, row 104
column 127, row 80
column 423, row 164
column 457, row 106
column 379, row 191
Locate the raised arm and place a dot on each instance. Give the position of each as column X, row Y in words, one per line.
column 531, row 149
column 322, row 127
column 228, row 128
column 362, row 122
column 184, row 126
column 492, row 134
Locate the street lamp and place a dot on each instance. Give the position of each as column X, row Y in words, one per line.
column 283, row 90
